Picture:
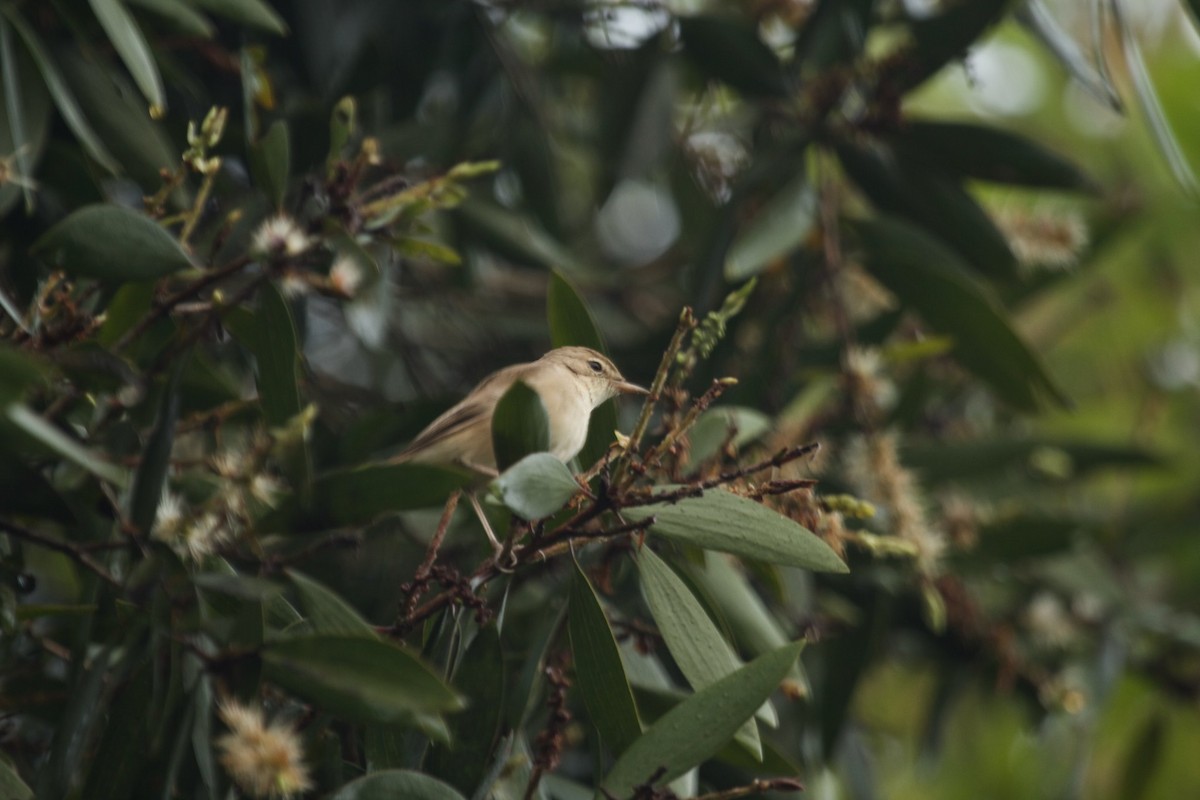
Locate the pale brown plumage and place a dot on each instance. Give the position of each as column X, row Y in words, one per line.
column 571, row 382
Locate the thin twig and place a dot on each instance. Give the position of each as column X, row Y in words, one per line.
column 68, row 549
column 421, row 578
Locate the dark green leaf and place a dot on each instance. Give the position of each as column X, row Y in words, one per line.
column 359, row 495
column 990, row 154
column 779, row 227
column 572, row 324
column 270, row 334
column 698, row 727
column 1144, row 758
column 924, row 193
column 270, row 159
column 325, row 611
column 26, row 491
column 394, row 784
column 184, row 18
column 20, row 371
column 943, row 37
column 519, row 425
column 931, row 279
column 112, row 243
column 703, row 655
column 21, row 112
column 599, row 670
column 52, row 438
column 834, row 32
column 255, row 13
column 357, row 678
column 724, row 423
column 480, row 678
column 989, row 459
column 719, row 520
column 537, row 486
column 64, row 99
column 151, row 473
column 728, row 49
column 120, row 760
column 127, row 39
column 518, row 236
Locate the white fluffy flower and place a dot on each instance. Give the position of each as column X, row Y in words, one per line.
column 279, row 236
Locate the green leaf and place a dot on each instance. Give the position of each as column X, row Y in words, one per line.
column 924, row 193
column 20, row 371
column 21, row 115
column 834, row 32
column 703, row 655
column 151, row 473
column 728, row 48
column 255, row 13
column 396, row 783
column 122, row 755
column 931, row 279
column 184, row 18
column 1036, row 17
column 518, row 236
column 719, row 520
column 57, row 441
column 572, row 324
column 64, row 99
column 26, row 491
column 537, row 486
column 126, row 38
column 990, row 154
column 357, row 678
column 941, row 38
column 359, row 495
column 325, row 611
column 599, row 670
column 715, row 426
column 519, row 425
column 1147, row 95
column 11, row 785
column 779, row 227
column 270, row 160
column 990, row 459
column 270, row 334
column 112, row 243
column 698, row 727
column 480, row 677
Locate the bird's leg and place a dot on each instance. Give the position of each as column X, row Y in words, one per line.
column 500, row 552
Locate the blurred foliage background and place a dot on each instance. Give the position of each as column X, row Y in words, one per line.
column 248, row 249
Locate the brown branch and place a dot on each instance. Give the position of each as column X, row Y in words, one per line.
column 757, row 786
column 420, row 581
column 68, row 549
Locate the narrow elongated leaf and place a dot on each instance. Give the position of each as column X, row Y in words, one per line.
column 519, row 425
column 719, row 520
column 126, row 37
column 270, row 159
column 184, row 18
column 698, row 727
column 779, row 227
column 480, row 678
column 326, row 612
column 931, row 279
column 703, row 655
column 728, row 49
column 270, row 334
column 835, row 32
column 17, row 128
column 11, row 785
column 537, row 486
column 390, row 784
column 151, row 473
column 924, row 193
column 20, row 371
column 943, row 37
column 112, row 243
column 358, row 678
column 598, row 668
column 990, row 459
column 64, row 99
column 990, row 154
column 65, row 446
column 359, row 495
column 255, row 13
column 571, row 324
column 1036, row 17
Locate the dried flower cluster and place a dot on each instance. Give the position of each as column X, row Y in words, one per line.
column 263, row 760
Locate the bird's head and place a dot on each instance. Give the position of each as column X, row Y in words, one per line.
column 599, row 375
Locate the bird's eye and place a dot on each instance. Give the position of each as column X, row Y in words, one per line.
column 596, row 366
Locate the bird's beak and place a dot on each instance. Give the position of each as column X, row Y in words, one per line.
column 625, row 387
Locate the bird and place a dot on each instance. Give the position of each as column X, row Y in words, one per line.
column 571, row 382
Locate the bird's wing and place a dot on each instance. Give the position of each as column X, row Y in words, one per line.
column 472, row 409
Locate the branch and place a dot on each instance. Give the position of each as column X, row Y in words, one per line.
column 68, row 549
